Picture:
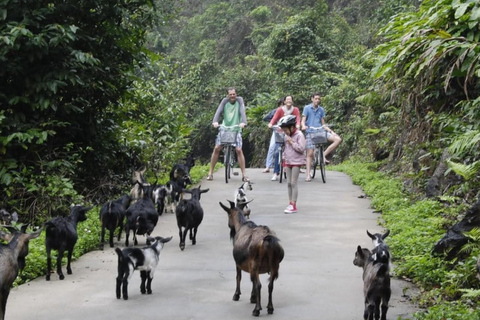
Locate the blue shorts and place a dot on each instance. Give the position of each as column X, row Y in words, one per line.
column 309, row 144
column 238, row 140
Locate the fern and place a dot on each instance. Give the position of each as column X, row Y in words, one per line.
column 467, row 171
column 465, row 143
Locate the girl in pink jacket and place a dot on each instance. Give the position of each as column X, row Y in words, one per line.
column 294, row 157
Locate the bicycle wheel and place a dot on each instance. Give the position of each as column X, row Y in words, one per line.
column 322, row 165
column 226, row 162
column 315, row 163
column 280, row 162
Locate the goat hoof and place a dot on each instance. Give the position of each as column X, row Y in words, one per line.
column 182, row 247
column 61, row 277
column 143, row 291
column 47, row 278
column 270, row 310
column 194, row 242
column 125, row 297
column 256, row 313
column 69, row 271
column 236, row 297
column 149, row 292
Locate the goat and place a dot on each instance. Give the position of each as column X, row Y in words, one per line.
column 376, row 284
column 142, row 218
column 61, row 234
column 139, row 184
column 12, row 260
column 240, row 198
column 176, row 188
column 256, row 250
column 159, row 195
column 180, row 170
column 112, row 215
column 381, row 251
column 7, row 218
column 145, row 260
column 189, row 216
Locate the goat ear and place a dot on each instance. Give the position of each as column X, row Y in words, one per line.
column 165, row 240
column 36, row 233
column 224, row 207
column 360, row 251
column 232, row 204
column 23, row 229
column 386, row 234
column 205, row 190
column 371, row 235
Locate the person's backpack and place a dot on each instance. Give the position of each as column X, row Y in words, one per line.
column 270, row 115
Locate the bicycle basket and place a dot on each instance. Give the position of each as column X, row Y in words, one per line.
column 227, row 137
column 319, row 137
column 279, row 137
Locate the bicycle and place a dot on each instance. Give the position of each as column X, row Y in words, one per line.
column 227, row 140
column 280, row 138
column 319, row 139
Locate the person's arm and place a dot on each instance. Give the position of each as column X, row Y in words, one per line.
column 296, row 113
column 278, row 114
column 243, row 114
column 219, row 112
column 298, row 143
column 304, row 118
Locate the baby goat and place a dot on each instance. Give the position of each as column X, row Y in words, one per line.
column 241, row 198
column 189, row 216
column 376, row 284
column 145, row 260
column 112, row 215
column 12, row 259
column 61, row 234
column 381, row 251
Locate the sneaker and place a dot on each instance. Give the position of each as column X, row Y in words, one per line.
column 275, row 177
column 291, row 208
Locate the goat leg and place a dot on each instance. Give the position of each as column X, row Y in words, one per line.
column 59, row 264
column 270, row 291
column 149, row 282
column 49, row 263
column 183, row 235
column 194, row 238
column 255, row 277
column 236, row 295
column 125, row 286
column 102, row 237
column 112, row 235
column 120, row 224
column 143, row 275
column 69, row 261
column 119, row 284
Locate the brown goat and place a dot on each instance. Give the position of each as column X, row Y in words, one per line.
column 256, row 250
column 12, row 259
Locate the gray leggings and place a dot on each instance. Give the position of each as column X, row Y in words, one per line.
column 292, row 179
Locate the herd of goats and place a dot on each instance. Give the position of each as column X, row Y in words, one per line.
column 256, row 249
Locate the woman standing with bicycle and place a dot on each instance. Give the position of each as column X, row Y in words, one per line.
column 294, row 157
column 285, row 110
column 233, row 110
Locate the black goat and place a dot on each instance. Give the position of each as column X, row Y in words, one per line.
column 145, row 260
column 376, row 284
column 381, row 251
column 12, row 260
column 141, row 218
column 112, row 215
column 189, row 216
column 256, row 250
column 176, row 188
column 61, row 234
column 180, row 170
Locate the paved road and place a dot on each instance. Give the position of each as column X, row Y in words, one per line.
column 317, row 278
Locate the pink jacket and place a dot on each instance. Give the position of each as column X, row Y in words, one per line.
column 294, row 153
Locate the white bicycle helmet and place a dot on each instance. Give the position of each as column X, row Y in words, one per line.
column 287, row 121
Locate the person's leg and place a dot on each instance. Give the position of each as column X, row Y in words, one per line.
column 309, row 163
column 335, row 141
column 294, row 182
column 276, row 168
column 241, row 161
column 213, row 160
column 288, row 171
column 271, row 150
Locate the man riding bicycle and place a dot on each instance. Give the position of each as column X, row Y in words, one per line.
column 233, row 110
column 313, row 116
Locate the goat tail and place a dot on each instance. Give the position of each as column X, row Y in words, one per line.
column 274, row 253
column 120, row 254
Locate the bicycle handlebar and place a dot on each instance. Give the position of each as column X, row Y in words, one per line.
column 229, row 127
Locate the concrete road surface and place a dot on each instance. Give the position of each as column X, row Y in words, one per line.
column 317, row 277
